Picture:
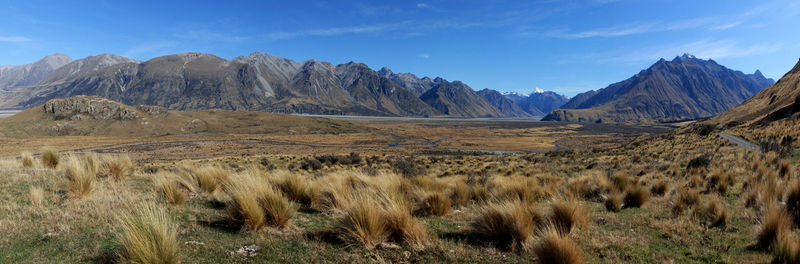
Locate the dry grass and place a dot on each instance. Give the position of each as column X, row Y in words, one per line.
column 210, row 178
column 659, row 189
column 148, row 235
column 568, row 214
column 167, row 187
column 509, row 224
column 80, row 179
column 775, row 223
column 297, row 188
column 37, row 196
column 435, row 204
column 117, row 167
column 712, row 213
column 793, row 201
column 787, row 249
column 613, row 201
column 402, row 227
column 255, row 203
column 27, row 160
column 50, row 158
column 555, row 247
column 635, row 196
column 363, row 223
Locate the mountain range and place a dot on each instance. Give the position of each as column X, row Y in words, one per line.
column 259, row 81
column 685, row 88
column 682, row 89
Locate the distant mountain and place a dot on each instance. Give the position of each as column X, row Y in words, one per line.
column 30, row 74
column 682, row 89
column 779, row 101
column 506, row 106
column 458, row 99
column 83, row 66
column 539, row 102
column 543, row 101
column 196, row 81
column 409, row 81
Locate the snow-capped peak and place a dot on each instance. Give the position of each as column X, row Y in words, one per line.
column 537, row 90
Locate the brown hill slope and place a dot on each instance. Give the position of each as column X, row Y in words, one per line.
column 94, row 116
column 682, row 89
column 779, row 101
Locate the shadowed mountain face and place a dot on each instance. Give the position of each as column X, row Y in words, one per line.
column 196, row 81
column 681, row 89
column 30, row 74
column 458, row 99
column 544, row 102
column 506, row 106
column 779, row 101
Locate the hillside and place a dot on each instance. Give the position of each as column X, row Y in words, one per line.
column 506, row 106
column 779, row 101
column 459, row 100
column 682, row 89
column 94, row 116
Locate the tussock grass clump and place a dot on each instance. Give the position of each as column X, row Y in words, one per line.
column 712, row 213
column 210, row 178
column 568, row 214
column 793, row 201
column 27, row 160
column 167, row 187
column 636, row 196
column 50, row 158
column 297, row 188
column 80, row 180
column 363, row 223
column 684, row 199
column 118, row 168
column 787, row 249
column 402, row 226
column 435, row 204
column 555, row 247
column 509, row 224
column 613, row 201
column 37, row 196
column 775, row 223
column 148, row 235
column 659, row 188
column 784, row 169
column 591, row 187
column 255, row 203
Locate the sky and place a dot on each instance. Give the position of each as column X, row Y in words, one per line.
column 513, row 46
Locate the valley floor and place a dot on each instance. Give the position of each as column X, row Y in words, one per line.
column 633, row 194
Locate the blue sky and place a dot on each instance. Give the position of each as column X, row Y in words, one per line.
column 564, row 46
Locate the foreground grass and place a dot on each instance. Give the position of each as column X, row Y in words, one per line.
column 62, row 228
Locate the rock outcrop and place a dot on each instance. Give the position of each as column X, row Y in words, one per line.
column 83, row 107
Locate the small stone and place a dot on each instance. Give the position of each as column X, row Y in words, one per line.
column 194, row 243
column 386, row 245
column 249, row 251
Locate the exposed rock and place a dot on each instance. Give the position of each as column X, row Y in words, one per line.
column 154, row 111
column 90, row 107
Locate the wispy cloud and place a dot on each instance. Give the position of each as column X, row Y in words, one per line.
column 631, row 29
column 425, row 56
column 14, row 39
column 336, row 31
column 423, row 5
